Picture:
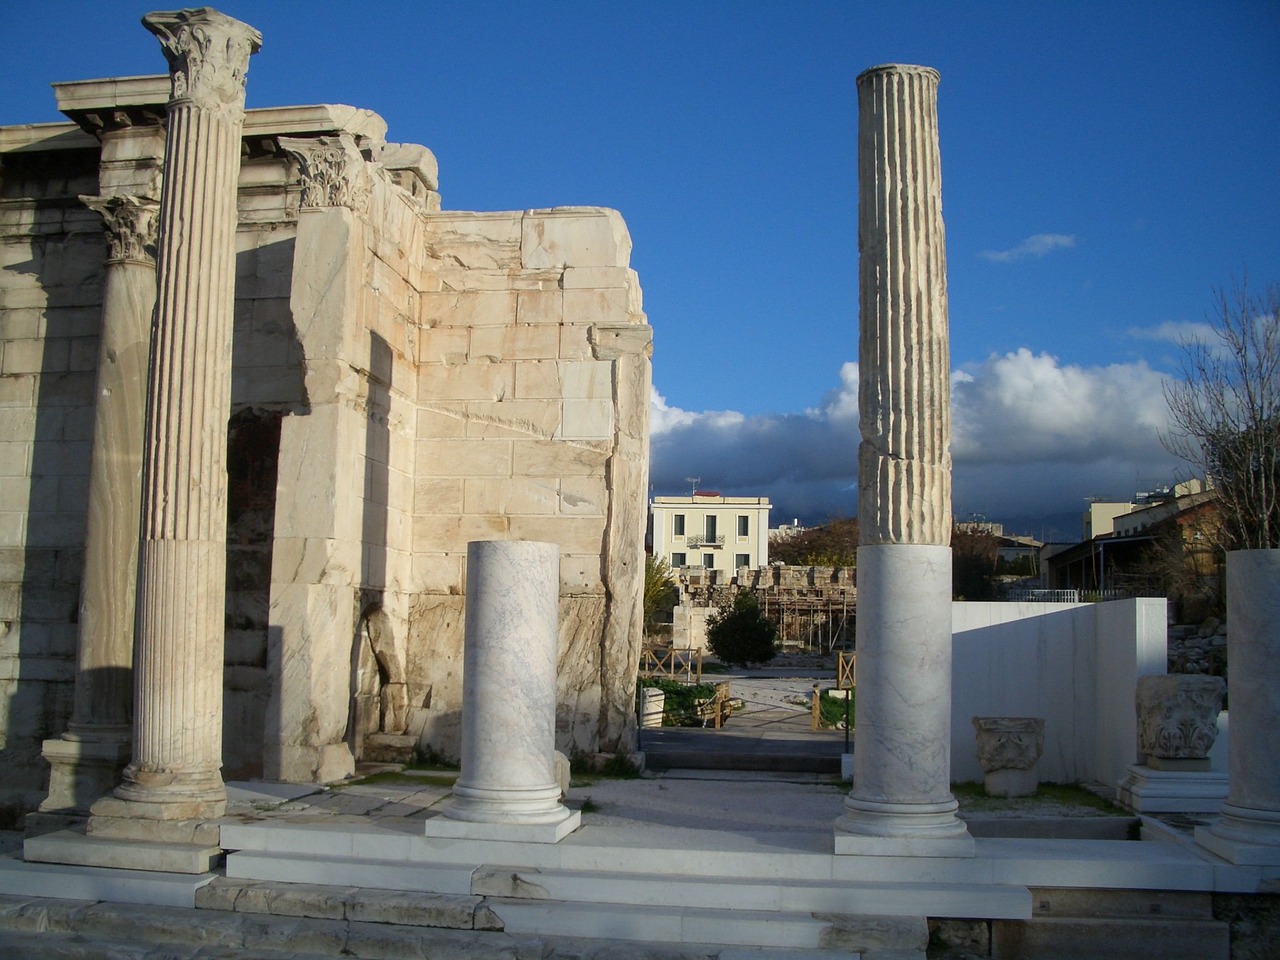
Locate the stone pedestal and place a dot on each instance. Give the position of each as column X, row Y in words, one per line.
column 177, row 749
column 1008, row 750
column 86, row 762
column 1249, row 831
column 901, row 801
column 1177, row 726
column 507, row 789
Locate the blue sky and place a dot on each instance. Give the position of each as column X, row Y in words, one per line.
column 1105, row 167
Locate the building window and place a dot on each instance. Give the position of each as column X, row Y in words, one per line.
column 742, row 560
column 711, row 527
column 677, row 524
column 744, row 525
column 678, row 560
column 709, row 560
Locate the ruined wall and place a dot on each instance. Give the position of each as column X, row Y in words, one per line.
column 51, row 272
column 404, row 381
column 532, row 424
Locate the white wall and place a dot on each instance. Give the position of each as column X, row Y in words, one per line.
column 1076, row 665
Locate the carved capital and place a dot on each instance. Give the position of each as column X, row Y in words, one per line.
column 1178, row 715
column 333, row 171
column 132, row 224
column 208, row 54
column 1009, row 743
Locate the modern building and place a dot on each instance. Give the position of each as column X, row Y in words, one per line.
column 711, row 531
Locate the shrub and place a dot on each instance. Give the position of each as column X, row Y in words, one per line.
column 739, row 633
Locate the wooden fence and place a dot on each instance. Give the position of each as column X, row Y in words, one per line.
column 671, row 663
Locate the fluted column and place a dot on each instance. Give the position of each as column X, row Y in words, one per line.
column 87, row 760
column 177, row 743
column 901, row 803
column 1248, row 831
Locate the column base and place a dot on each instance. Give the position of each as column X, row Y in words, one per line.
column 84, row 767
column 1244, row 836
column 168, row 795
column 534, row 814
column 1149, row 790
column 884, row 829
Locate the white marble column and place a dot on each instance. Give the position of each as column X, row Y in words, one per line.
column 87, row 760
column 1249, row 831
column 508, row 788
column 901, row 802
column 177, row 748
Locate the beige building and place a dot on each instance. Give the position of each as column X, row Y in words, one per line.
column 711, row 531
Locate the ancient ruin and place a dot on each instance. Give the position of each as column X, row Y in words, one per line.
column 370, row 427
column 379, row 382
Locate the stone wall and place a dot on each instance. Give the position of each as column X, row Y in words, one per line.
column 51, row 271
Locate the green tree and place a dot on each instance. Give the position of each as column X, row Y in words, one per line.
column 974, row 557
column 660, row 594
column 833, row 544
column 739, row 633
column 1225, row 414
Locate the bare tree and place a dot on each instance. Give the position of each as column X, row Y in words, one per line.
column 1225, row 413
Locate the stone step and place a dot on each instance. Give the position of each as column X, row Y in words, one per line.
column 852, row 898
column 675, row 887
column 71, row 881
column 58, row 929
column 74, row 847
column 1111, row 938
column 350, row 871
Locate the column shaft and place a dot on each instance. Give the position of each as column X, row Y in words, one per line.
column 507, row 787
column 177, row 750
column 1249, row 830
column 901, row 801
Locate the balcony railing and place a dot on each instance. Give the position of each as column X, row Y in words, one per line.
column 697, row 540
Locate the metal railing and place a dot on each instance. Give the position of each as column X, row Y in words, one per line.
column 697, row 540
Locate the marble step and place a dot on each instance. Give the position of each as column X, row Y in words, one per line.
column 349, row 871
column 75, row 882
column 74, row 847
column 575, row 886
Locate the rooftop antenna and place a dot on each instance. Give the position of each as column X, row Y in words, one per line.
column 693, row 482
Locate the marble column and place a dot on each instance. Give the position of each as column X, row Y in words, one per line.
column 508, row 788
column 177, row 743
column 1249, row 830
column 901, row 802
column 86, row 762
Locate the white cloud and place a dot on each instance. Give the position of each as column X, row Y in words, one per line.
column 1172, row 331
column 1031, row 437
column 1034, row 247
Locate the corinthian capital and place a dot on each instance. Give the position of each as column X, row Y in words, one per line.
column 131, row 224
column 333, row 171
column 208, row 54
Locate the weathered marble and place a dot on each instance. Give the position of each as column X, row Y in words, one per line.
column 904, row 460
column 1008, row 749
column 1178, row 715
column 901, row 801
column 1249, row 831
column 508, row 776
column 177, row 750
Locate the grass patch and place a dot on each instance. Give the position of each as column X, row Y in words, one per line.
column 972, row 797
column 679, row 704
column 399, row 778
column 831, row 710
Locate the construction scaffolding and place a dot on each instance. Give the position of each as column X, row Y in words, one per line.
column 814, row 607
